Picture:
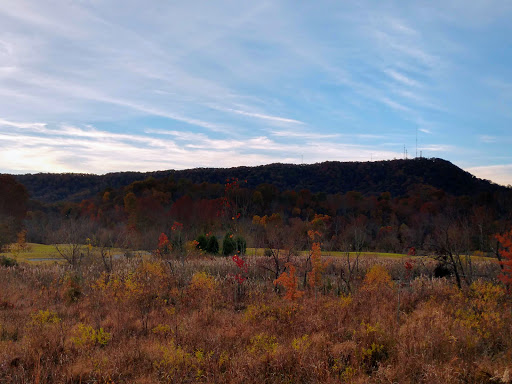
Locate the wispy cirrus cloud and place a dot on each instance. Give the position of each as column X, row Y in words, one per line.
column 88, row 149
column 261, row 82
column 488, row 139
column 401, row 78
column 277, row 119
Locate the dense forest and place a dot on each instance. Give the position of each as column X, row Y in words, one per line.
column 389, row 206
column 395, row 177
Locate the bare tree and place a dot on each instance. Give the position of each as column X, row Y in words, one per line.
column 450, row 243
column 70, row 240
column 352, row 242
column 104, row 241
column 274, row 237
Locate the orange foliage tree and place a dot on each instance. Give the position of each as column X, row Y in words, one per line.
column 314, row 277
column 505, row 258
column 164, row 245
column 289, row 281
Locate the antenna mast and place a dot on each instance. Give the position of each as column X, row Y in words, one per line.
column 416, row 141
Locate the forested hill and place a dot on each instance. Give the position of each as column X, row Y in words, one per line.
column 394, row 176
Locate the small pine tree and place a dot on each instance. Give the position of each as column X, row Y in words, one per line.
column 212, row 246
column 241, row 245
column 202, row 242
column 228, row 244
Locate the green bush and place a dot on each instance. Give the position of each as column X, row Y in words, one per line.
column 73, row 290
column 7, row 262
column 241, row 245
column 232, row 245
column 228, row 245
column 212, row 246
column 202, row 241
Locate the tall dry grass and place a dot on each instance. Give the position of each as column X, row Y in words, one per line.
column 186, row 322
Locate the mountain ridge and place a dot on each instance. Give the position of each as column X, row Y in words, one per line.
column 394, row 176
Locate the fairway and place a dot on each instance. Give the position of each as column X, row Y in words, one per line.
column 261, row 252
column 43, row 253
column 36, row 253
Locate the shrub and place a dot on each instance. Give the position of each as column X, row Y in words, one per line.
column 290, row 282
column 87, row 336
column 263, row 344
column 203, row 282
column 213, row 245
column 377, row 278
column 45, row 317
column 228, row 244
column 7, row 262
column 241, row 245
column 202, row 289
column 72, row 288
column 202, row 242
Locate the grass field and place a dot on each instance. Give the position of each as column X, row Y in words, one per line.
column 47, row 254
column 43, row 253
column 260, row 252
column 35, row 253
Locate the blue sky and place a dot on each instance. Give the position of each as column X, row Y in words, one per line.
column 101, row 85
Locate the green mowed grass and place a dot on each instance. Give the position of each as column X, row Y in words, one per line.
column 261, row 252
column 365, row 254
column 384, row 255
column 36, row 253
column 43, row 253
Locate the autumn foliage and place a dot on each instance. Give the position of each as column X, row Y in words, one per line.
column 317, row 265
column 173, row 321
column 290, row 282
column 506, row 254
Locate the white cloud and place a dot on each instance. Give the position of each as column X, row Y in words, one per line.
column 437, row 148
column 23, row 125
column 302, row 134
column 400, row 77
column 501, row 174
column 488, row 139
column 256, row 82
column 27, row 148
column 264, row 117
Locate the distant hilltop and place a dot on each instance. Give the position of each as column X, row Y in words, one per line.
column 393, row 176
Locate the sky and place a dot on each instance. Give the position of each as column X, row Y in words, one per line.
column 97, row 86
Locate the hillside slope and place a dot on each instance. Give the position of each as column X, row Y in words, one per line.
column 394, row 176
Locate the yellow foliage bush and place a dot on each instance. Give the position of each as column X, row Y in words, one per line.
column 376, row 278
column 481, row 310
column 87, row 336
column 202, row 281
column 45, row 317
column 162, row 330
column 175, row 361
column 301, row 344
column 262, row 344
column 277, row 312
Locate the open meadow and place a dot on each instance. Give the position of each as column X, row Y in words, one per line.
column 225, row 320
